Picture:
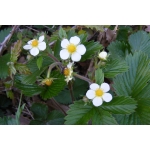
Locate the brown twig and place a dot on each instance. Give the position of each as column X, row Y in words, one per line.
column 6, row 40
column 31, row 29
column 90, row 66
column 83, row 78
column 71, row 91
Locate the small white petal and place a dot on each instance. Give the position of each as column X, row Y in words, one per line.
column 107, row 97
column 105, row 87
column 64, row 43
column 41, row 38
column 42, row 46
column 29, row 42
column 70, row 65
column 81, row 49
column 97, row 101
column 90, row 94
column 34, row 51
column 75, row 57
column 27, row 47
column 103, row 55
column 64, row 54
column 94, row 86
column 75, row 40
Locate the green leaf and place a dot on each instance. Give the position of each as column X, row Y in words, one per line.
column 79, row 113
column 71, row 33
column 62, row 33
column 39, row 62
column 82, row 114
column 40, row 111
column 56, row 87
column 19, row 35
column 54, row 36
column 135, row 79
column 4, row 70
column 83, row 37
column 114, row 67
column 4, row 33
column 15, row 51
column 55, row 118
column 118, row 49
column 8, row 121
column 91, row 48
column 57, row 49
column 102, row 117
column 99, row 76
column 27, row 89
column 22, row 68
column 140, row 41
column 120, row 105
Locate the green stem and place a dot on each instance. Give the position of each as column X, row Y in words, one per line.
column 71, row 91
column 51, row 67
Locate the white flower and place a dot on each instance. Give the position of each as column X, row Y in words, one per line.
column 98, row 93
column 103, row 55
column 68, row 72
column 34, row 46
column 72, row 48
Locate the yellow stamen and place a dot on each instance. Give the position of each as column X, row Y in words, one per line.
column 34, row 43
column 71, row 48
column 99, row 92
column 66, row 72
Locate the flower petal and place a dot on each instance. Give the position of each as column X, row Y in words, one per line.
column 75, row 40
column 64, row 54
column 42, row 46
column 29, row 42
column 94, row 86
column 41, row 38
column 34, row 51
column 27, row 47
column 97, row 101
column 105, row 87
column 81, row 49
column 64, row 43
column 75, row 57
column 90, row 94
column 107, row 97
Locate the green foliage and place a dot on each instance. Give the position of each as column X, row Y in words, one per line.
column 4, row 33
column 99, row 76
column 135, row 83
column 62, row 33
column 82, row 114
column 97, row 27
column 91, row 48
column 120, row 105
column 140, row 41
column 71, row 33
column 15, row 51
column 4, row 70
column 39, row 62
column 57, row 49
column 114, row 66
column 22, row 68
column 56, row 87
column 118, row 49
column 42, row 116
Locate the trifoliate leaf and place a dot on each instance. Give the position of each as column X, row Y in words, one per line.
column 4, row 69
column 114, row 66
column 56, row 87
column 91, row 48
column 4, row 33
column 120, row 105
column 99, row 76
column 82, row 114
column 140, row 41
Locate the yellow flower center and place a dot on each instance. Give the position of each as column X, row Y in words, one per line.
column 71, row 48
column 35, row 43
column 99, row 92
column 47, row 82
column 66, row 72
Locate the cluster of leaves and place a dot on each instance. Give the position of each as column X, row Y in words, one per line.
column 127, row 70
